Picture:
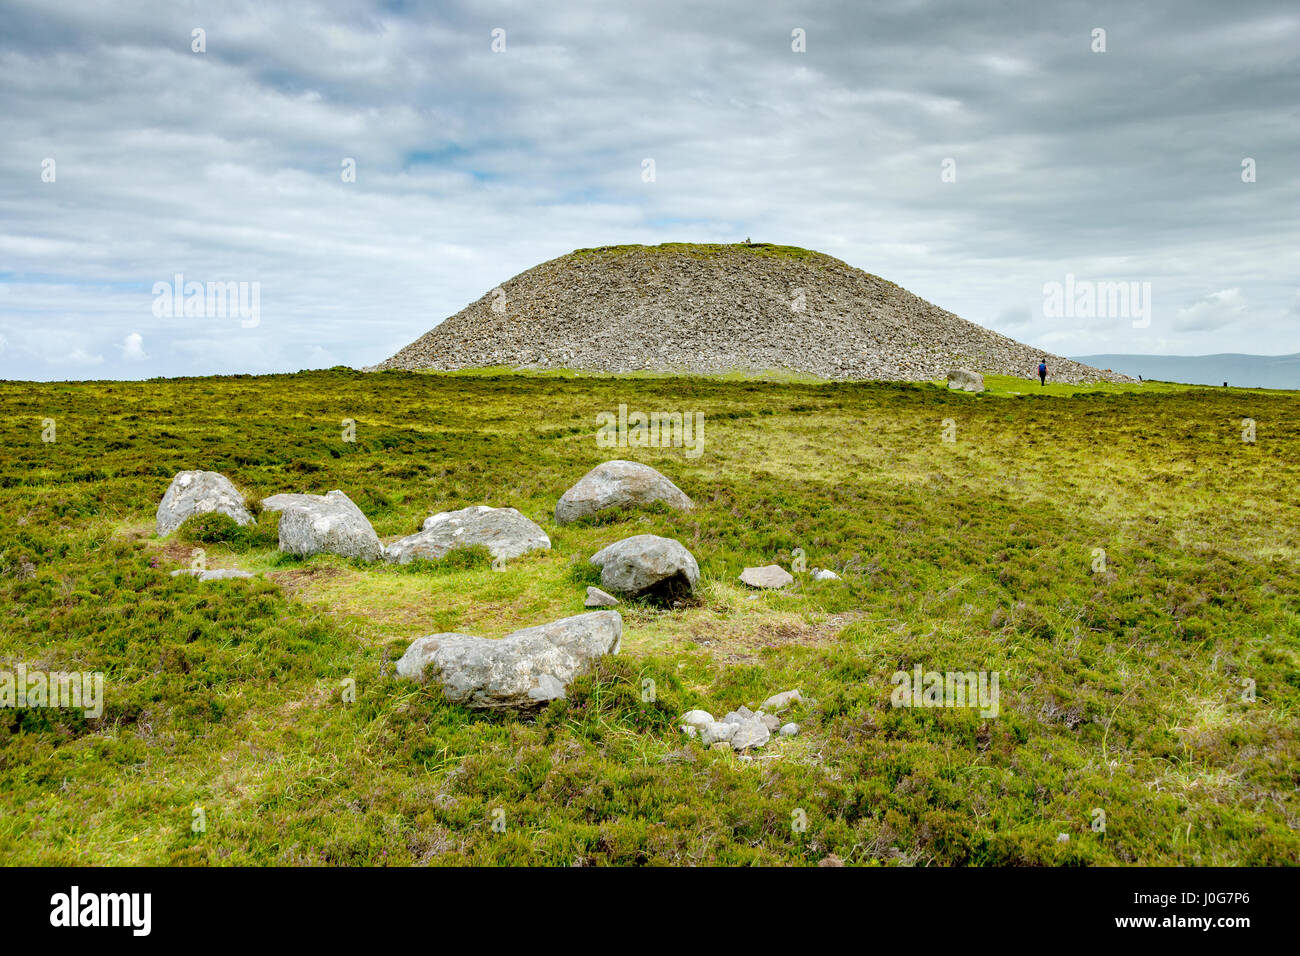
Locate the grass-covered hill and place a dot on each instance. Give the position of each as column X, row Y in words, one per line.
column 227, row 737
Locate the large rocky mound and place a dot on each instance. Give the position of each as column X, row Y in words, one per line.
column 718, row 308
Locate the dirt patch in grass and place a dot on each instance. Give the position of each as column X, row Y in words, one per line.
column 299, row 583
column 738, row 641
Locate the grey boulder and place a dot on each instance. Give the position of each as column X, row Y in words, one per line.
column 697, row 718
column 966, row 380
column 598, row 598
column 772, row 576
column 779, row 702
column 618, row 484
column 647, row 565
column 324, row 524
column 504, row 531
column 196, row 493
column 716, row 732
column 523, row 670
column 750, row 732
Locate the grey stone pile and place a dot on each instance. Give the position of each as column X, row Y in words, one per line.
column 719, row 308
column 742, row 729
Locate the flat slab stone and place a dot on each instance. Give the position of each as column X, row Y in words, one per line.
column 779, row 702
column 522, row 670
column 772, row 576
column 503, row 531
column 598, row 598
column 750, row 733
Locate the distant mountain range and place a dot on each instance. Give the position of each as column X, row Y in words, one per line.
column 1246, row 371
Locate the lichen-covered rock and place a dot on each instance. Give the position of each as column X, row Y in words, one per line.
column 749, row 733
column 197, row 493
column 966, row 380
column 523, row 670
column 771, row 576
column 598, row 598
column 646, row 564
column 618, row 484
column 779, row 702
column 503, row 531
column 324, row 524
column 696, row 718
column 717, row 732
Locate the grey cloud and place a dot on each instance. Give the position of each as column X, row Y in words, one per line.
column 473, row 166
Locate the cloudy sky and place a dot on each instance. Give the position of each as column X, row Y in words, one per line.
column 129, row 158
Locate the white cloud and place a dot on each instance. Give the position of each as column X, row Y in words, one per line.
column 1216, row 310
column 472, row 166
column 133, row 347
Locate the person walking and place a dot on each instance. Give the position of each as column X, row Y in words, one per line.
column 1042, row 372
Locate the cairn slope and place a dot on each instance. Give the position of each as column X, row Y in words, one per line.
column 705, row 309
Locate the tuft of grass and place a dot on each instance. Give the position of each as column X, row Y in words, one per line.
column 218, row 528
column 708, row 250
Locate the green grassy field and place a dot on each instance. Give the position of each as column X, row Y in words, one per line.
column 1124, row 690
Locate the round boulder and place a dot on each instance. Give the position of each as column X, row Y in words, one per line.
column 324, row 524
column 197, row 493
column 504, row 531
column 618, row 484
column 646, row 565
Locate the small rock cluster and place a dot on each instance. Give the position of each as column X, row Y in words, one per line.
column 333, row 524
column 742, row 728
column 530, row 666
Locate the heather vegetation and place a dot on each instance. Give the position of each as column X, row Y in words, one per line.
column 260, row 721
